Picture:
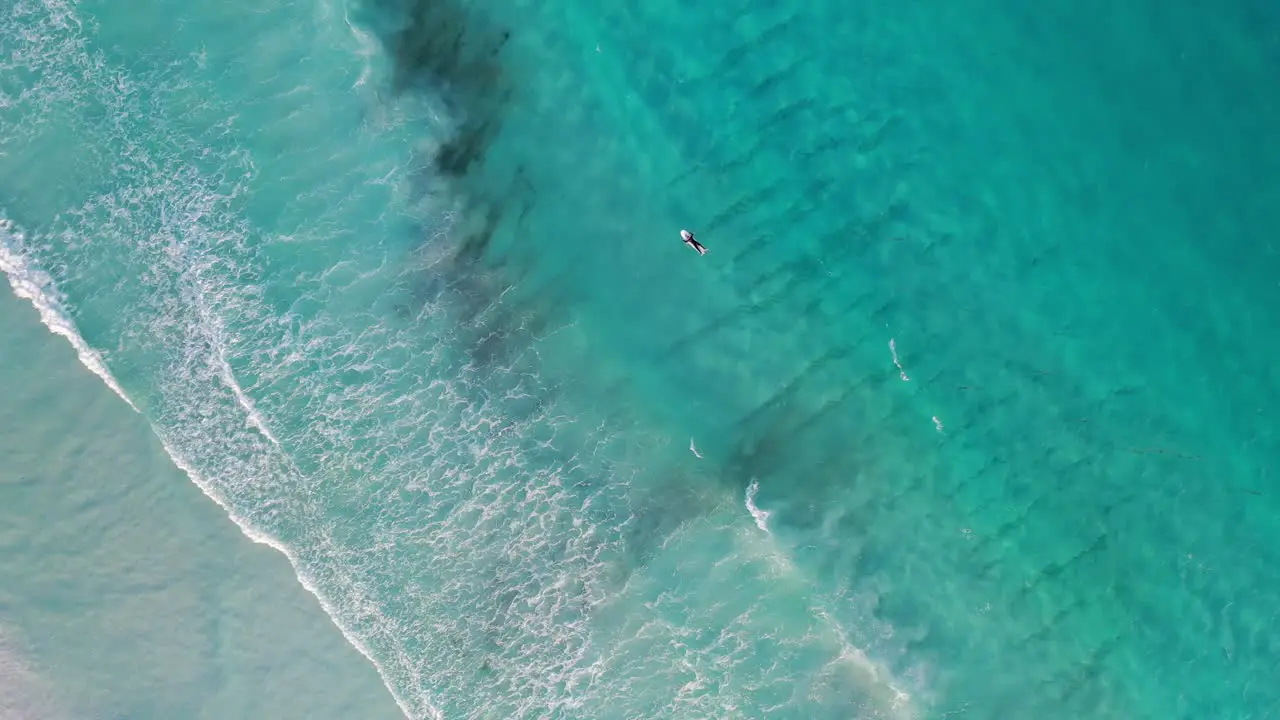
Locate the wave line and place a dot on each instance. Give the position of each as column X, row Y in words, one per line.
column 36, row 287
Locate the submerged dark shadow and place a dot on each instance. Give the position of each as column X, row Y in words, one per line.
column 455, row 53
column 443, row 46
column 459, row 56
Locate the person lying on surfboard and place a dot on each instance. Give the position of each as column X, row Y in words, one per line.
column 692, row 242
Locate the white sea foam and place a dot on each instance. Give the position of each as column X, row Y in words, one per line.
column 261, row 538
column 760, row 516
column 850, row 662
column 213, row 329
column 891, row 694
column 366, row 47
column 893, row 349
column 37, row 288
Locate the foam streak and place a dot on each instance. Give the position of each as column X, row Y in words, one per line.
column 760, row 516
column 37, row 288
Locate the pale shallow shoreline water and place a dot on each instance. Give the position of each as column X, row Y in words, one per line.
column 124, row 592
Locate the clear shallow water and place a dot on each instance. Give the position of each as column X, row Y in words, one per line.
column 982, row 329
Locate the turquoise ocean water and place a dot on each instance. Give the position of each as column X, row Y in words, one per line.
column 978, row 369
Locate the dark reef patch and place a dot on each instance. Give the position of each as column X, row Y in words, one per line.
column 443, row 47
column 453, row 52
column 458, row 56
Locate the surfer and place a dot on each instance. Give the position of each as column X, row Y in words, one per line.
column 692, row 242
